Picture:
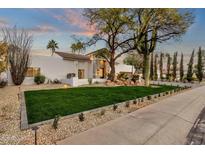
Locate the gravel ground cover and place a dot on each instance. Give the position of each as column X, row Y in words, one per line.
column 10, row 132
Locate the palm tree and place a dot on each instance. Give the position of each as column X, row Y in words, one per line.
column 77, row 47
column 52, row 45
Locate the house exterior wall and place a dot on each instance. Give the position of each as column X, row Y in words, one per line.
column 54, row 67
column 123, row 68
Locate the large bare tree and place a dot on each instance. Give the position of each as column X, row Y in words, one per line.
column 19, row 46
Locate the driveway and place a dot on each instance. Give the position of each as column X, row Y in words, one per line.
column 166, row 122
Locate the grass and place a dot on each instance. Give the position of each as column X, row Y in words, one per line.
column 46, row 104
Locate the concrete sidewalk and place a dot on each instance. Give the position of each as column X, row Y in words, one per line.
column 166, row 122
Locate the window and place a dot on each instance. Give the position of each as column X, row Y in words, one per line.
column 81, row 74
column 33, row 71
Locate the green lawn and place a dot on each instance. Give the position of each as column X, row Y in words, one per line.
column 45, row 104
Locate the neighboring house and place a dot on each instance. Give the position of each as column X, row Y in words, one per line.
column 61, row 64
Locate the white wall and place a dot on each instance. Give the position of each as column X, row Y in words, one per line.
column 123, row 68
column 54, row 67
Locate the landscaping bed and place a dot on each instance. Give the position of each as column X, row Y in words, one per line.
column 46, row 104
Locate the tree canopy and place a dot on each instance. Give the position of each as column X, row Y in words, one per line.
column 53, row 45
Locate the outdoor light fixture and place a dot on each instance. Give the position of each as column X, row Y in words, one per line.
column 35, row 131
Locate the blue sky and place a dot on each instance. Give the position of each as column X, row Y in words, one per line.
column 61, row 24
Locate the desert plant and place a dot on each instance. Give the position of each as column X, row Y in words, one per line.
column 182, row 67
column 175, row 66
column 96, row 82
column 190, row 68
column 152, row 67
column 102, row 112
column 155, row 67
column 56, row 81
column 39, row 79
column 81, row 117
column 19, row 48
column 127, row 104
column 199, row 73
column 168, row 66
column 149, row 97
column 90, row 81
column 122, row 76
column 135, row 77
column 135, row 102
column 3, row 57
column 161, row 65
column 115, row 107
column 55, row 122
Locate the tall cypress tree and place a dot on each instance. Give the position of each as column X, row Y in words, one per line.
column 190, row 67
column 155, row 67
column 161, row 65
column 175, row 66
column 199, row 66
column 182, row 67
column 152, row 67
column 168, row 66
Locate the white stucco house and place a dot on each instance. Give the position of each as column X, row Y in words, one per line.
column 61, row 64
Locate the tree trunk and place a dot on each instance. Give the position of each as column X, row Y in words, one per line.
column 147, row 69
column 112, row 71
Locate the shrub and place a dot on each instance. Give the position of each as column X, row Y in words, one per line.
column 55, row 122
column 81, row 117
column 3, row 83
column 115, row 107
column 39, row 79
column 135, row 102
column 90, row 80
column 56, row 81
column 167, row 93
column 127, row 104
column 96, row 82
column 122, row 76
column 149, row 97
column 102, row 112
column 135, row 77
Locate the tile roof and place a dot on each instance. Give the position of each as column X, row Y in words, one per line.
column 71, row 56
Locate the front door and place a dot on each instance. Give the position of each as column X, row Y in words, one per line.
column 81, row 74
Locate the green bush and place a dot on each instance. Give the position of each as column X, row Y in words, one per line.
column 115, row 107
column 81, row 117
column 3, row 83
column 122, row 76
column 39, row 79
column 135, row 77
column 55, row 122
column 102, row 112
column 127, row 104
column 149, row 97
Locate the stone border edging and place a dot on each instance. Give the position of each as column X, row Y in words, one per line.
column 24, row 120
